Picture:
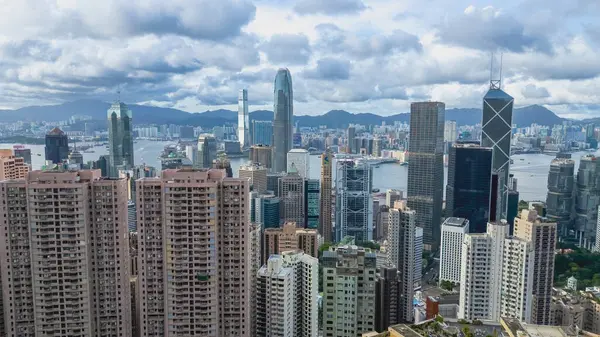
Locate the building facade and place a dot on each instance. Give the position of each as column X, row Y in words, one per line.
column 12, row 167
column 182, row 214
column 453, row 235
column 262, row 133
column 256, row 174
column 289, row 237
column 560, row 199
column 291, row 196
column 587, row 200
column 207, row 151
column 354, row 201
column 263, row 155
column 311, row 203
column 55, row 283
column 348, row 298
column 426, row 168
column 120, row 138
column 283, row 119
column 469, row 185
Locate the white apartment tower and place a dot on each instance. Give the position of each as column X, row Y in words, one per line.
column 300, row 160
column 517, row 279
column 243, row 120
column 418, row 256
column 348, row 291
column 66, row 271
column 453, row 234
column 287, row 291
column 195, row 254
column 401, row 255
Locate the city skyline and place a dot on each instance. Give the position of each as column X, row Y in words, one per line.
column 159, row 56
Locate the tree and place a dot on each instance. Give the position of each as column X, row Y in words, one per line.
column 447, row 285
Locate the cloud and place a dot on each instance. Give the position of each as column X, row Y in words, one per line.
column 533, row 91
column 333, row 39
column 287, row 49
column 199, row 19
column 490, row 29
column 329, row 7
column 330, row 69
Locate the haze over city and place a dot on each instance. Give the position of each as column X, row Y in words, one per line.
column 357, row 55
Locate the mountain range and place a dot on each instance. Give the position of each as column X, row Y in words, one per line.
column 143, row 114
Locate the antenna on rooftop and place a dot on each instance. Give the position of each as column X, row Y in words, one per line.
column 495, row 83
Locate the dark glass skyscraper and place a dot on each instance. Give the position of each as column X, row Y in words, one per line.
column 587, row 200
column 469, row 184
column 207, row 151
column 496, row 127
column 57, row 146
column 311, row 203
column 262, row 133
column 560, row 198
column 283, row 119
column 120, row 138
column 426, row 168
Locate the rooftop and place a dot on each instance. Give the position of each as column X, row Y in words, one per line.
column 516, row 328
column 457, row 222
column 497, row 94
column 404, row 330
column 55, row 132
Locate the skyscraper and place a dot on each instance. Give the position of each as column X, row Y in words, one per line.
column 469, row 185
column 243, row 120
column 325, row 228
column 354, row 201
column 54, row 282
column 262, row 133
column 262, row 155
column 311, row 203
column 291, row 195
column 283, row 119
column 542, row 236
column 22, row 152
column 207, row 151
column 587, row 200
column 120, row 138
column 351, row 135
column 222, row 163
column 348, row 297
column 57, row 146
column 300, row 160
column 426, row 168
column 496, row 130
column 401, row 255
column 391, row 196
column 12, row 167
column 287, row 291
column 560, row 199
column 184, row 213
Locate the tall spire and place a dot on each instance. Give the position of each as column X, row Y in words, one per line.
column 495, row 80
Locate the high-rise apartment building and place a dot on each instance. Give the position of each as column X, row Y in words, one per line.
column 120, row 138
column 480, row 274
column 496, row 130
column 12, row 167
column 587, row 200
column 426, row 168
column 469, row 184
column 22, row 152
column 283, row 109
column 207, row 151
column 256, row 174
column 387, row 298
column 325, row 225
column 289, row 237
column 57, row 146
column 262, row 154
column 348, row 298
column 243, row 120
column 453, row 235
column 560, row 199
column 299, row 160
column 542, row 236
column 68, row 271
column 401, row 255
column 418, row 256
column 354, row 201
column 311, row 203
column 262, row 133
column 517, row 279
column 291, row 196
column 222, row 162
column 184, row 215
column 450, row 133
column 287, row 291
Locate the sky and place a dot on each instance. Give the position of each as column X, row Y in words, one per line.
column 357, row 55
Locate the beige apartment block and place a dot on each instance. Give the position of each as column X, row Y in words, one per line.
column 289, row 237
column 12, row 167
column 194, row 254
column 65, row 261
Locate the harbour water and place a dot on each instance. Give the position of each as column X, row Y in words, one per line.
column 531, row 170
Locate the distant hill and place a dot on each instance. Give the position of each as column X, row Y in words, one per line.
column 144, row 114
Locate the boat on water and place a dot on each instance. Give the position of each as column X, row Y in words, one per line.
column 376, row 166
